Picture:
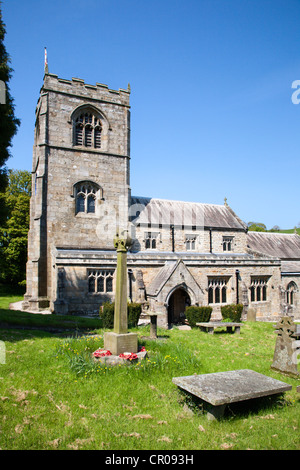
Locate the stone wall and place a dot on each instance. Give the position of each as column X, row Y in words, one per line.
column 203, row 242
column 191, row 273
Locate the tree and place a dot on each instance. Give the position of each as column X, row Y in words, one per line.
column 8, row 122
column 256, row 227
column 14, row 230
column 276, row 228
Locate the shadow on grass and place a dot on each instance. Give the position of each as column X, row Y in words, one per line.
column 237, row 410
column 56, row 324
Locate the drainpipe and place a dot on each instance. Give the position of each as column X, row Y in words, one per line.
column 173, row 238
column 210, row 240
column 237, row 274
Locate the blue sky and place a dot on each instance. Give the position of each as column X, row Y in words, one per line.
column 211, row 88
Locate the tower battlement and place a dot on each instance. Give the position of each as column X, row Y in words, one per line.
column 78, row 87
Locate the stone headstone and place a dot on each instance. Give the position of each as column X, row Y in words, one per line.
column 287, row 347
column 251, row 314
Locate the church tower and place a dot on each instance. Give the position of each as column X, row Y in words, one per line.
column 80, row 181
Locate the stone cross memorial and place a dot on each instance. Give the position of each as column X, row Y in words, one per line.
column 120, row 341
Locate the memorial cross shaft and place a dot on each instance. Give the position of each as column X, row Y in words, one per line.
column 121, row 244
column 119, row 340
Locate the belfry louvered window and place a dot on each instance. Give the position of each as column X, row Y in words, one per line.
column 87, row 130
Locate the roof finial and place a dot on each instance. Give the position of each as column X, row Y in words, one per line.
column 225, row 201
column 46, row 69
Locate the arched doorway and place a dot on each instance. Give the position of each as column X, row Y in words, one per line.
column 178, row 301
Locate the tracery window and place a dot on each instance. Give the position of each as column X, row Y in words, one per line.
column 151, row 240
column 100, row 281
column 87, row 130
column 217, row 290
column 290, row 293
column 190, row 242
column 258, row 289
column 227, row 243
column 85, row 197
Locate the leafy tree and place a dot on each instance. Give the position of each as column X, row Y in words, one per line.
column 14, row 231
column 276, row 228
column 256, row 227
column 8, row 122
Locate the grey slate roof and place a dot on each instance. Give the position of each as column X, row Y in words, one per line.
column 288, row 267
column 162, row 277
column 165, row 212
column 280, row 245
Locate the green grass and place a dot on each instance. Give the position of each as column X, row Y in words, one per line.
column 54, row 396
column 25, row 319
column 292, row 230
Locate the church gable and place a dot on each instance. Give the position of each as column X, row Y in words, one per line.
column 173, row 275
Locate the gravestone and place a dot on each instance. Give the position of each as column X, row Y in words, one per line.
column 222, row 388
column 120, row 341
column 287, row 347
column 251, row 314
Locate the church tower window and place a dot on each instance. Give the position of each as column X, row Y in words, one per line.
column 85, row 193
column 87, row 130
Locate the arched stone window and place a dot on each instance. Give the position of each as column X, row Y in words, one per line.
column 217, row 290
column 100, row 281
column 290, row 293
column 89, row 127
column 86, row 194
column 258, row 289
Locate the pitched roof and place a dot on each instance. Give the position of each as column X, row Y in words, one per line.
column 162, row 277
column 289, row 267
column 279, row 245
column 178, row 213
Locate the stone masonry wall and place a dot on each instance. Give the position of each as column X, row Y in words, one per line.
column 202, row 243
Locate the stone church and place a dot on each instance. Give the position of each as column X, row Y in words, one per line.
column 182, row 253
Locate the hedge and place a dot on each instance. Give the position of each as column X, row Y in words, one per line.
column 107, row 314
column 197, row 314
column 134, row 312
column 232, row 312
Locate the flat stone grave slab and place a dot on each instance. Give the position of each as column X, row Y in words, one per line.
column 210, row 326
column 221, row 388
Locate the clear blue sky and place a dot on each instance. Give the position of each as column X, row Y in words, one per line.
column 211, row 87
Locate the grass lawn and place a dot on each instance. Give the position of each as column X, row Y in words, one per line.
column 54, row 396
